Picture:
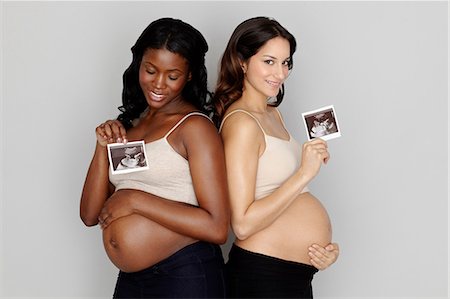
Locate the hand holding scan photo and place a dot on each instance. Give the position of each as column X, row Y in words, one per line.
column 321, row 123
column 111, row 131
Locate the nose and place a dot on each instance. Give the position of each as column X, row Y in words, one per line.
column 159, row 81
column 281, row 71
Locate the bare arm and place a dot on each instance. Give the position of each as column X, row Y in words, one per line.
column 242, row 142
column 209, row 221
column 97, row 188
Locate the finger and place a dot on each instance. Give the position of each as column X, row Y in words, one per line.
column 101, row 129
column 323, row 253
column 100, row 222
column 332, row 247
column 118, row 131
column 312, row 150
column 316, row 262
column 321, row 150
column 318, row 266
column 108, row 132
column 318, row 251
column 123, row 133
column 318, row 141
column 322, row 257
column 315, row 148
column 101, row 219
column 318, row 146
column 117, row 135
column 101, row 133
column 104, row 214
column 105, row 221
column 326, row 157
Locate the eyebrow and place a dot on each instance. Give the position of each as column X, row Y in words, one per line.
column 273, row 57
column 171, row 70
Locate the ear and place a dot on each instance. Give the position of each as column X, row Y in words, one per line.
column 243, row 66
column 189, row 76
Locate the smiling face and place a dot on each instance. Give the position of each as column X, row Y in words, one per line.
column 266, row 71
column 162, row 77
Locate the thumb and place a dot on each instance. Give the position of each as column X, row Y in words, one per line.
column 330, row 247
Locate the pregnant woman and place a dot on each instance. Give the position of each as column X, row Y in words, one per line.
column 162, row 226
column 283, row 233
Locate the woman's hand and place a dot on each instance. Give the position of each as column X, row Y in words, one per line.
column 111, row 131
column 117, row 206
column 321, row 257
column 314, row 153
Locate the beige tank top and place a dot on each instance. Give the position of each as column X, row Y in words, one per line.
column 168, row 175
column 279, row 161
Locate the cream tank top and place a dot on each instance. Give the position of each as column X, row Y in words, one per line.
column 279, row 161
column 168, row 175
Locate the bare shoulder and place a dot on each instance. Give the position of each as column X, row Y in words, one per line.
column 197, row 123
column 241, row 125
column 198, row 130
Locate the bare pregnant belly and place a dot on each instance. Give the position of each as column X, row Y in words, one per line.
column 134, row 243
column 303, row 223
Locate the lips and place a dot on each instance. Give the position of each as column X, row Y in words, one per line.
column 155, row 96
column 274, row 84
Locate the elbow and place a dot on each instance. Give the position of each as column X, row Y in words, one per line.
column 89, row 223
column 88, row 220
column 219, row 239
column 220, row 234
column 240, row 231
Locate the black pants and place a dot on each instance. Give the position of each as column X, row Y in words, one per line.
column 254, row 275
column 196, row 271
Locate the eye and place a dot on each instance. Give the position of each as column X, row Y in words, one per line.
column 173, row 78
column 150, row 71
column 269, row 61
column 287, row 62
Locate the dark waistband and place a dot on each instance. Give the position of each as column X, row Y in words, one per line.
column 204, row 250
column 243, row 259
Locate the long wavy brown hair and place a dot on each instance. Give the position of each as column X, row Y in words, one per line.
column 245, row 41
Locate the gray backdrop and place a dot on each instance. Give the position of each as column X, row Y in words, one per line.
column 383, row 65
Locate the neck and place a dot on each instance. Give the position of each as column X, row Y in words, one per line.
column 174, row 107
column 255, row 102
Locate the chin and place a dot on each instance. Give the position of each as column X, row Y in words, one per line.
column 156, row 104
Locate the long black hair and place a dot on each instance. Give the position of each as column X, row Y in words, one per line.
column 180, row 38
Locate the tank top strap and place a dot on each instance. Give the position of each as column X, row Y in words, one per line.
column 281, row 118
column 246, row 112
column 183, row 119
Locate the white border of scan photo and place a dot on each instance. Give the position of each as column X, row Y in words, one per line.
column 127, row 168
column 327, row 136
